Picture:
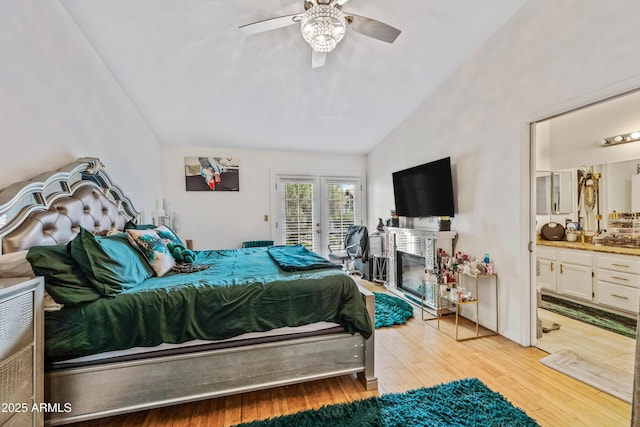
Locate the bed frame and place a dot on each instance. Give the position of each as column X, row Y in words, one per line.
column 49, row 209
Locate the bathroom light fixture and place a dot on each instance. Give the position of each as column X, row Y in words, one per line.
column 621, row 139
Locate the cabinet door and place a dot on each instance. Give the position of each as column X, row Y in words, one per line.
column 576, row 281
column 547, row 277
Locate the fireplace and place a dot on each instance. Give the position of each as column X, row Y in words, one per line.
column 410, row 272
column 411, row 251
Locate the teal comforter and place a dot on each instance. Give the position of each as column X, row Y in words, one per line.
column 244, row 290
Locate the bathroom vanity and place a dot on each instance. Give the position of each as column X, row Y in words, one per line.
column 606, row 277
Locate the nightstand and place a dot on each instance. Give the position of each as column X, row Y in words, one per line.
column 21, row 351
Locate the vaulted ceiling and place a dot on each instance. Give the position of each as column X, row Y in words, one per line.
column 198, row 80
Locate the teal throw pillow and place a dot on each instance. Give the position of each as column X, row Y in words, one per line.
column 111, row 263
column 63, row 278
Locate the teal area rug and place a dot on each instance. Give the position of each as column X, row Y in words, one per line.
column 610, row 321
column 465, row 402
column 391, row 310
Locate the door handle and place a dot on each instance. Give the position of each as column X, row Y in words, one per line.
column 551, row 266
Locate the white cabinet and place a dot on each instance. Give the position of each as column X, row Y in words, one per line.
column 547, row 266
column 21, row 360
column 618, row 281
column 575, row 274
column 606, row 280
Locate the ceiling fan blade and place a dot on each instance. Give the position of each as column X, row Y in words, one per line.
column 372, row 28
column 271, row 24
column 340, row 2
column 318, row 59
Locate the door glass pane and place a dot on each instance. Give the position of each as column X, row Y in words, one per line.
column 298, row 214
column 341, row 211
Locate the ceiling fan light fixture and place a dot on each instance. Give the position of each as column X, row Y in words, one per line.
column 323, row 26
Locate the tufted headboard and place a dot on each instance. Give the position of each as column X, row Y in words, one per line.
column 50, row 208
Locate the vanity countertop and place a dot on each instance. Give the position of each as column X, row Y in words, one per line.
column 589, row 247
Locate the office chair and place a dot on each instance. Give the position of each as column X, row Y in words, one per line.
column 356, row 246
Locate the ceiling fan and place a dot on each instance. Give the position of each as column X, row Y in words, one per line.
column 323, row 25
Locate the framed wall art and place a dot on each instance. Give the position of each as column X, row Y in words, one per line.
column 211, row 173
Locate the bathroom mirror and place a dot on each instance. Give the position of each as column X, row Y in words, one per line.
column 553, row 192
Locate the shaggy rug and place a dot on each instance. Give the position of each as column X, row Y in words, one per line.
column 592, row 372
column 465, row 402
column 391, row 310
column 612, row 322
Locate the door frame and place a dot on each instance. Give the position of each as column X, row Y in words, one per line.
column 528, row 164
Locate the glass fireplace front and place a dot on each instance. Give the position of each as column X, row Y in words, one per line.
column 410, row 272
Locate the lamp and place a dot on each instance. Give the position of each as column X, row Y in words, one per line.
column 323, row 26
column 621, row 139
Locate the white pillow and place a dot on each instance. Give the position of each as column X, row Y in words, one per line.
column 15, row 264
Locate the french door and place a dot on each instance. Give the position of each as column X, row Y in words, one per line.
column 316, row 211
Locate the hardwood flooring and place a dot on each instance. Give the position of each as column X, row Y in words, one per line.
column 411, row 356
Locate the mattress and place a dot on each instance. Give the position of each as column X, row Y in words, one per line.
column 166, row 349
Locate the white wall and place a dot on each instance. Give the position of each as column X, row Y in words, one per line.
column 548, row 58
column 575, row 138
column 58, row 102
column 221, row 220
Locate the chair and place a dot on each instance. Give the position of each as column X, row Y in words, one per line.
column 356, row 246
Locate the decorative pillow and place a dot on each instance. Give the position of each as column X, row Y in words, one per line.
column 15, row 264
column 111, row 263
column 63, row 278
column 154, row 249
column 168, row 235
column 181, row 254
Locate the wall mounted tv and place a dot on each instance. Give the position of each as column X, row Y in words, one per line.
column 425, row 190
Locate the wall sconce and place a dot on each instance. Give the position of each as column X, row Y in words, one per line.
column 621, row 139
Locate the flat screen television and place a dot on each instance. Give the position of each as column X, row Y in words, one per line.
column 425, row 190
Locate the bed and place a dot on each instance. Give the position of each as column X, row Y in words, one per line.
column 245, row 319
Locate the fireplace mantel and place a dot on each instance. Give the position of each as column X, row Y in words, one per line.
column 423, row 247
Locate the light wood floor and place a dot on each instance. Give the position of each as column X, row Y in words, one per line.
column 411, row 356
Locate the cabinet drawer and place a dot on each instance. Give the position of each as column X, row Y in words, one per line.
column 624, row 279
column 546, row 253
column 575, row 257
column 626, row 264
column 16, row 323
column 621, row 297
column 16, row 380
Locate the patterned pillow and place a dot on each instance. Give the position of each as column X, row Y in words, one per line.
column 168, row 235
column 154, row 249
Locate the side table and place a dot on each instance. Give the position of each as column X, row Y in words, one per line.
column 445, row 300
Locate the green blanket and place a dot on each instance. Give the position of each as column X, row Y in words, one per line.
column 242, row 291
